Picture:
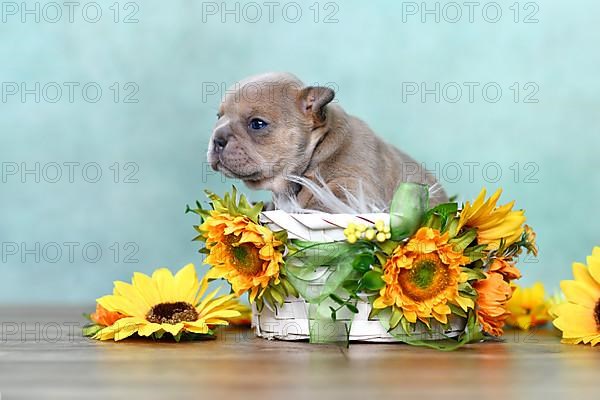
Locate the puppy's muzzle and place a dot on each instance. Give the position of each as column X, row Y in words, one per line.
column 219, row 143
column 220, row 138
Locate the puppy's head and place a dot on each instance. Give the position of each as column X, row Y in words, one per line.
column 267, row 128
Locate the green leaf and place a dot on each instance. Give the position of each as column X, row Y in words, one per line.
column 440, row 216
column 337, row 299
column 352, row 308
column 178, row 336
column 268, row 298
column 388, row 246
column 363, row 262
column 87, row 316
column 467, row 290
column 289, row 288
column 456, row 310
column 350, row 285
column 277, row 296
column 91, row 329
column 374, row 312
column 461, row 242
column 230, row 204
column 434, row 222
column 381, row 257
column 333, row 313
column 476, row 252
column 372, row 281
column 282, row 236
column 452, row 227
column 395, row 318
column 407, row 327
column 260, row 304
column 444, row 209
column 473, row 273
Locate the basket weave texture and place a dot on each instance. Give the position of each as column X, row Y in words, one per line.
column 291, row 320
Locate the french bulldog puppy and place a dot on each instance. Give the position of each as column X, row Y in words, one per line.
column 276, row 134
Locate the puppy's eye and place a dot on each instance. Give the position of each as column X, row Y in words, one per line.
column 257, row 124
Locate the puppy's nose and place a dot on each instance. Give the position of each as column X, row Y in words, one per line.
column 220, row 142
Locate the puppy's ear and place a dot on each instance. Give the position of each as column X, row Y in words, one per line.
column 312, row 101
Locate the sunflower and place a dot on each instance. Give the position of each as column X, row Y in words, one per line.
column 243, row 252
column 493, row 293
column 505, row 266
column 491, row 222
column 165, row 303
column 579, row 317
column 530, row 236
column 528, row 307
column 422, row 277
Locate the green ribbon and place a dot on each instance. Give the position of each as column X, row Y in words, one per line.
column 318, row 270
column 409, row 205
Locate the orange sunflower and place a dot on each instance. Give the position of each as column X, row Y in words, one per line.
column 493, row 295
column 422, row 278
column 506, row 267
column 243, row 252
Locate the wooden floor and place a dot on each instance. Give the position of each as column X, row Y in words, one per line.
column 42, row 355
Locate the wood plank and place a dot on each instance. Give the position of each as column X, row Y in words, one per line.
column 42, row 355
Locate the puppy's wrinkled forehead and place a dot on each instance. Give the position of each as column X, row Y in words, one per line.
column 274, row 94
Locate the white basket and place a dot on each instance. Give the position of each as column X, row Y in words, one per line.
column 291, row 321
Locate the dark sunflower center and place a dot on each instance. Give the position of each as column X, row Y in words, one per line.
column 597, row 314
column 245, row 257
column 172, row 313
column 426, row 279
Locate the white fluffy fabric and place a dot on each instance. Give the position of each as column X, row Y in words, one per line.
column 352, row 203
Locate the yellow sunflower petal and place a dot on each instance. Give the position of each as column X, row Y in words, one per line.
column 186, row 284
column 577, row 293
column 165, row 283
column 221, row 314
column 147, row 288
column 442, row 309
column 410, row 316
column 149, row 329
column 119, row 304
column 594, row 267
column 576, row 321
column 582, row 275
column 124, row 328
column 215, row 303
column 207, row 299
column 379, row 303
column 196, row 326
column 202, row 289
column 441, row 318
column 134, row 296
column 465, row 303
column 173, row 329
column 595, row 340
column 215, row 321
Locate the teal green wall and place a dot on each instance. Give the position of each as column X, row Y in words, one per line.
column 366, row 55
